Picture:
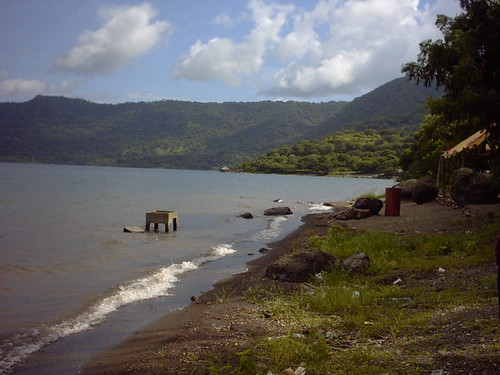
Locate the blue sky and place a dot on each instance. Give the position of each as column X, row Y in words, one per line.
column 111, row 51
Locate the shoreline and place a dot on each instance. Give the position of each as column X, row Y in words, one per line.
column 173, row 327
column 177, row 341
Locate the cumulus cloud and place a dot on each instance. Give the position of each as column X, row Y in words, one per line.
column 128, row 32
column 366, row 43
column 334, row 47
column 22, row 87
column 223, row 58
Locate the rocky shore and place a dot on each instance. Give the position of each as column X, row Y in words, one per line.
column 223, row 320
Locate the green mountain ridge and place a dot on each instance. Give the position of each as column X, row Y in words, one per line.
column 400, row 99
column 189, row 135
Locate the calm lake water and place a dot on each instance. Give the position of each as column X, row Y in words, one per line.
column 72, row 283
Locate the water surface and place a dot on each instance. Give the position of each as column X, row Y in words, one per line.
column 70, row 276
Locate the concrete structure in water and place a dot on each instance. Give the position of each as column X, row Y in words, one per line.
column 161, row 217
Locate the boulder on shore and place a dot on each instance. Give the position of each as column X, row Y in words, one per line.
column 420, row 191
column 468, row 186
column 425, row 191
column 407, row 187
column 299, row 267
column 276, row 211
column 356, row 263
column 372, row 204
column 350, row 213
column 247, row 215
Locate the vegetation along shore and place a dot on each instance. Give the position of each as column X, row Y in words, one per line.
column 414, row 310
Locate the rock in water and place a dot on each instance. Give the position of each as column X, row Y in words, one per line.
column 275, row 211
column 133, row 229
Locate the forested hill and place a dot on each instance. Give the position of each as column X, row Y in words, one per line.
column 398, row 104
column 167, row 134
column 190, row 135
column 365, row 137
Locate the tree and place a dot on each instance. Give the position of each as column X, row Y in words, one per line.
column 466, row 64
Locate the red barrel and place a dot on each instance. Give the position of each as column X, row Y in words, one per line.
column 392, row 201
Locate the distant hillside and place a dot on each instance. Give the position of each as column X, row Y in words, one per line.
column 189, row 135
column 367, row 136
column 399, row 104
column 167, row 134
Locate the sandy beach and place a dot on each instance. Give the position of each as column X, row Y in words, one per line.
column 197, row 335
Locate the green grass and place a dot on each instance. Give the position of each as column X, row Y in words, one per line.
column 372, row 194
column 224, row 294
column 424, row 253
column 363, row 324
column 293, row 350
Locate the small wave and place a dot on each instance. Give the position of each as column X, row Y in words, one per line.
column 16, row 348
column 319, row 207
column 273, row 229
column 316, row 207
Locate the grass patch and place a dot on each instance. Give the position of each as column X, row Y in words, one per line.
column 391, row 252
column 294, row 350
column 372, row 194
column 224, row 294
column 364, row 324
column 372, row 310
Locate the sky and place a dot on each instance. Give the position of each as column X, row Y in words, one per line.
column 111, row 51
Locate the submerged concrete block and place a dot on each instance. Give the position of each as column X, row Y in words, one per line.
column 161, row 217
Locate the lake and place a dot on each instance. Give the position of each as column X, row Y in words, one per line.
column 72, row 283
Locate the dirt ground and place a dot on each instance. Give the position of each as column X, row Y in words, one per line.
column 205, row 330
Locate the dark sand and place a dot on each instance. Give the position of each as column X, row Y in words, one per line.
column 207, row 329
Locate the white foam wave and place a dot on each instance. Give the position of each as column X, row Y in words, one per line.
column 16, row 348
column 272, row 230
column 319, row 207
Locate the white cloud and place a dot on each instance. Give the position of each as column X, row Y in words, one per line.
column 25, row 88
column 340, row 70
column 22, row 87
column 223, row 58
column 64, row 86
column 219, row 58
column 337, row 47
column 226, row 20
column 365, row 45
column 128, row 32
